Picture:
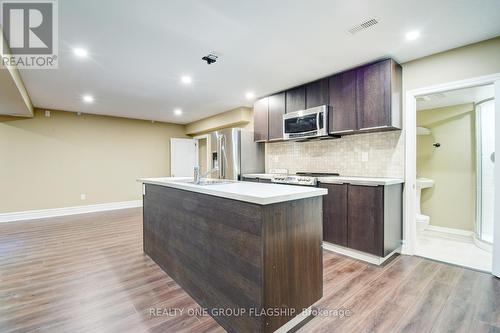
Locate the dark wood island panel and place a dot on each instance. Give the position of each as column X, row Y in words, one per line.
column 231, row 254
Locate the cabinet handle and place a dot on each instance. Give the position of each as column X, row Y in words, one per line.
column 344, row 131
column 364, row 184
column 371, row 128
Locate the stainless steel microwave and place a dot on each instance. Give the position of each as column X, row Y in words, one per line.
column 304, row 124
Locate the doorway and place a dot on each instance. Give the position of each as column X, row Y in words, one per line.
column 455, row 184
column 410, row 202
column 202, row 153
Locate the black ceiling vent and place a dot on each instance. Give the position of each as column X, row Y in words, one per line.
column 210, row 58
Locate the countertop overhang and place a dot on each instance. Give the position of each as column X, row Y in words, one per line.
column 257, row 193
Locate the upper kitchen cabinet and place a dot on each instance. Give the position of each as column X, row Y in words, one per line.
column 276, row 109
column 261, row 120
column 317, row 93
column 343, row 116
column 378, row 96
column 363, row 99
column 296, row 99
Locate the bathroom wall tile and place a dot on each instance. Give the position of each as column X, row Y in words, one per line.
column 385, row 155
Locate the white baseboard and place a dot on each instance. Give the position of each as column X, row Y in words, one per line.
column 453, row 231
column 370, row 258
column 449, row 233
column 290, row 325
column 54, row 212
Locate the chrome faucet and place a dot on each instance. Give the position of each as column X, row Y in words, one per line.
column 197, row 177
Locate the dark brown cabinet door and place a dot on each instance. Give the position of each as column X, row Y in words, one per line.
column 296, row 99
column 317, row 93
column 276, row 112
column 260, row 120
column 373, row 95
column 343, row 117
column 335, row 214
column 365, row 226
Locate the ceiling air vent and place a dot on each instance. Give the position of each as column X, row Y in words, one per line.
column 362, row 26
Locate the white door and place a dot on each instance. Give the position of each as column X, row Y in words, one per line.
column 182, row 157
column 496, row 225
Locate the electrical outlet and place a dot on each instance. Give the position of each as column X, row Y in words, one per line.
column 364, row 156
column 83, row 196
column 47, row 113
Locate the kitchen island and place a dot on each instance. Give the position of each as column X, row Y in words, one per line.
column 249, row 253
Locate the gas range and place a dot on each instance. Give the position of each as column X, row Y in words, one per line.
column 301, row 178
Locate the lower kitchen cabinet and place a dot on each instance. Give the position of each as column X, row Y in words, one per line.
column 364, row 218
column 335, row 214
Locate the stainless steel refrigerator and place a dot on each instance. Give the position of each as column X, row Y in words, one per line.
column 234, row 153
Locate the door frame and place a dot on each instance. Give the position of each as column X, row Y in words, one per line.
column 410, row 129
column 198, row 138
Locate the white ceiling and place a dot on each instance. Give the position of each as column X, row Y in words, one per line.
column 139, row 49
column 455, row 97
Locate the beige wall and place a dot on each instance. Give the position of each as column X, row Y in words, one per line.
column 451, row 202
column 202, row 155
column 49, row 162
column 453, row 65
column 240, row 117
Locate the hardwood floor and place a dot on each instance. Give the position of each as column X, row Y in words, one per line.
column 87, row 273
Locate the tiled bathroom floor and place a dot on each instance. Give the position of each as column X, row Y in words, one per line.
column 453, row 251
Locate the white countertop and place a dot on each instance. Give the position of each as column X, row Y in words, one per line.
column 257, row 193
column 354, row 180
column 259, row 175
column 360, row 180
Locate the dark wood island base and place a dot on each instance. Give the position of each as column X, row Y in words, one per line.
column 253, row 267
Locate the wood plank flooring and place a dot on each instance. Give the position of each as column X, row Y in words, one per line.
column 87, row 273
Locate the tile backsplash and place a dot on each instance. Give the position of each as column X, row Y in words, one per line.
column 370, row 155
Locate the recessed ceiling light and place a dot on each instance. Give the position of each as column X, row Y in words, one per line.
column 177, row 112
column 412, row 35
column 186, row 79
column 250, row 95
column 88, row 99
column 82, row 53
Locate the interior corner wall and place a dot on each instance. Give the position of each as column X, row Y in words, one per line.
column 450, row 203
column 48, row 162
